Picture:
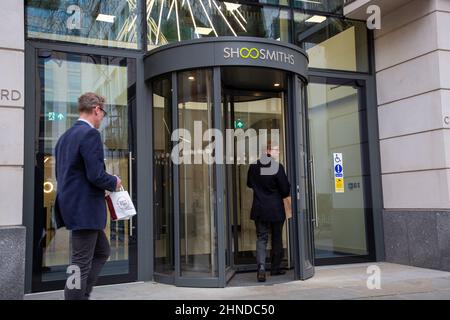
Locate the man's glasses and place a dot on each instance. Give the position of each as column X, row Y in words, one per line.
column 104, row 112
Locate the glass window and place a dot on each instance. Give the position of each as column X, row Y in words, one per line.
column 111, row 23
column 332, row 43
column 332, row 6
column 273, row 2
column 337, row 125
column 198, row 235
column 189, row 19
column 162, row 175
column 63, row 78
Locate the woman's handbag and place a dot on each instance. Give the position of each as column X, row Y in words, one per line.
column 120, row 205
column 288, row 207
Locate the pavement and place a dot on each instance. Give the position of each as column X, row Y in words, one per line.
column 343, row 282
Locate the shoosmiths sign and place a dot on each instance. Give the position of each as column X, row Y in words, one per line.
column 254, row 53
column 224, row 52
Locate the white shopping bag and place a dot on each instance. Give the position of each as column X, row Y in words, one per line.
column 120, row 205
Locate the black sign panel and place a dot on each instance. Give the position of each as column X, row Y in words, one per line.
column 226, row 51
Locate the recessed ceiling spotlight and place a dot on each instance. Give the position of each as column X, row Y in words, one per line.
column 105, row 18
column 316, row 19
column 203, row 31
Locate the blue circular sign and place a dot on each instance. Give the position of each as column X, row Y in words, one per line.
column 338, row 168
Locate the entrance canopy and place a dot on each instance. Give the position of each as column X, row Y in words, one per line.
column 226, row 51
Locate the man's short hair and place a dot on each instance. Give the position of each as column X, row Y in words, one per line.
column 88, row 101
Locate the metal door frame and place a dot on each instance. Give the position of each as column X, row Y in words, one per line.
column 302, row 210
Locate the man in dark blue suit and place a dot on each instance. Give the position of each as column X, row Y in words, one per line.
column 80, row 201
column 270, row 186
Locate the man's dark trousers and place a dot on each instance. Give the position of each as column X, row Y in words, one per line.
column 262, row 232
column 90, row 250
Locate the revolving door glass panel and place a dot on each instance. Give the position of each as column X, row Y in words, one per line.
column 198, row 241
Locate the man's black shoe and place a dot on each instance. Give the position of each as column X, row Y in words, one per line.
column 261, row 275
column 278, row 272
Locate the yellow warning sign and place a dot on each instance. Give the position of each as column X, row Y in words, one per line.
column 339, row 185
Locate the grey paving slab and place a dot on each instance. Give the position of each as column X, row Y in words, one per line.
column 329, row 283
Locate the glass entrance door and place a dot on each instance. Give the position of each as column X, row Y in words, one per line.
column 62, row 78
column 340, row 165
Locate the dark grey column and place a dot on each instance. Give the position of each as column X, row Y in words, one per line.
column 374, row 152
column 12, row 262
column 144, row 176
column 418, row 238
column 220, row 180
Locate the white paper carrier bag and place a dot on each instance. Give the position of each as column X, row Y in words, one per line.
column 120, row 205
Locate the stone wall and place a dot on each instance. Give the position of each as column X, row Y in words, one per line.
column 412, row 52
column 12, row 95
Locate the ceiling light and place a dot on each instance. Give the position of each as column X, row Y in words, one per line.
column 203, row 31
column 105, row 18
column 191, row 78
column 316, row 19
column 231, row 6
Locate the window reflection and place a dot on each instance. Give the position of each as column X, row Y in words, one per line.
column 170, row 21
column 332, row 43
column 111, row 23
column 332, row 6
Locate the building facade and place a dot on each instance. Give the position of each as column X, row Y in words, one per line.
column 362, row 118
column 412, row 74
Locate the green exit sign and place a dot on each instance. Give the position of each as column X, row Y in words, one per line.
column 239, row 124
column 55, row 116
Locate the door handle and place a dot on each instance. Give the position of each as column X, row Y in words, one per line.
column 313, row 182
column 130, row 186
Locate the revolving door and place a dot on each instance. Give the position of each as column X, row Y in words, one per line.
column 207, row 97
